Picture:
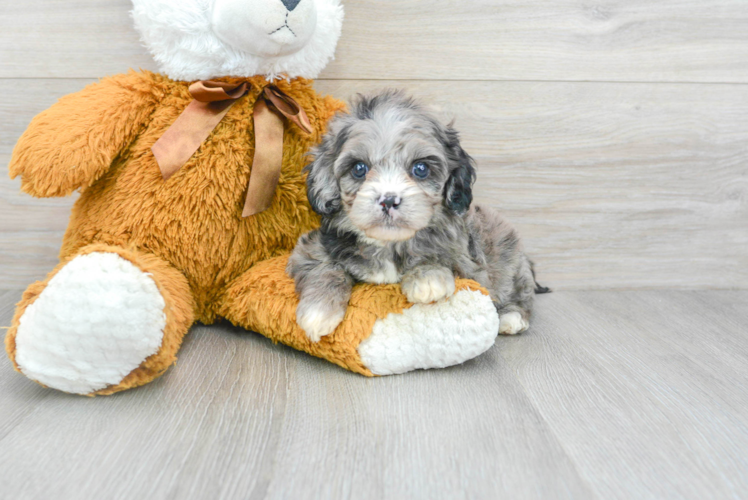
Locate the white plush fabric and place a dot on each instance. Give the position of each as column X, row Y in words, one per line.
column 97, row 320
column 445, row 333
column 183, row 37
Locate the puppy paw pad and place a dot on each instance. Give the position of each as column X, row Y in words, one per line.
column 512, row 323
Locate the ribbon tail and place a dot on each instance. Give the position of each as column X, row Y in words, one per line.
column 289, row 108
column 187, row 133
column 268, row 159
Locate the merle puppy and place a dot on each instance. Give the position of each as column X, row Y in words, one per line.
column 394, row 189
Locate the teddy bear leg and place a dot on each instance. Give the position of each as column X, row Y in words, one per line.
column 381, row 333
column 105, row 320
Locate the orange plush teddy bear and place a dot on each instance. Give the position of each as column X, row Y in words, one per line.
column 193, row 194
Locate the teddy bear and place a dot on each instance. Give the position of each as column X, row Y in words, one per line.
column 192, row 196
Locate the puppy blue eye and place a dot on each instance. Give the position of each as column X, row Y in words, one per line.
column 360, row 170
column 420, row 170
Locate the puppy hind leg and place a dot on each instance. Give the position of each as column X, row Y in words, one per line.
column 513, row 320
column 514, row 315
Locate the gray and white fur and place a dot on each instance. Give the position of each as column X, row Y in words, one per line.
column 394, row 189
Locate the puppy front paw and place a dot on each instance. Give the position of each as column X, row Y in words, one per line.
column 317, row 320
column 512, row 323
column 424, row 286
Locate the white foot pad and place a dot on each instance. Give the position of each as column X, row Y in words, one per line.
column 97, row 320
column 445, row 333
column 512, row 324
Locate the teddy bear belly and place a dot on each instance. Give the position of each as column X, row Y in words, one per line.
column 193, row 221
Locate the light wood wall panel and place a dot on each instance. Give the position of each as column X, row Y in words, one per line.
column 601, row 40
column 612, row 185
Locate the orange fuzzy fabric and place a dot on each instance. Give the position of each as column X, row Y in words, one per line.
column 206, row 259
column 100, row 140
column 264, row 300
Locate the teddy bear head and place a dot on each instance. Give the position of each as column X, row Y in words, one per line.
column 203, row 39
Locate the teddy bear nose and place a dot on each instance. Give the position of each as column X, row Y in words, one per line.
column 290, row 4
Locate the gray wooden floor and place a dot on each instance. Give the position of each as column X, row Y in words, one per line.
column 611, row 394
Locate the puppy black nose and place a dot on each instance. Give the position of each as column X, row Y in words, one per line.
column 389, row 201
column 290, row 4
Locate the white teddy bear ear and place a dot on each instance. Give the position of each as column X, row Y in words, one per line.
column 202, row 39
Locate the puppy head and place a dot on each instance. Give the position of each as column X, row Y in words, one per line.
column 389, row 167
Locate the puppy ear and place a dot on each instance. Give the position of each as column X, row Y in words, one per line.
column 458, row 191
column 321, row 185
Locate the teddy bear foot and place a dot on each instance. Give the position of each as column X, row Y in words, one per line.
column 95, row 322
column 102, row 322
column 437, row 335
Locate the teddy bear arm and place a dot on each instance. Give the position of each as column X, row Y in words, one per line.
column 74, row 142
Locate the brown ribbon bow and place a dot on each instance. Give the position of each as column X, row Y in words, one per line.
column 212, row 100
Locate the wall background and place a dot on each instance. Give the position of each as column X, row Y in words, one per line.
column 613, row 134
